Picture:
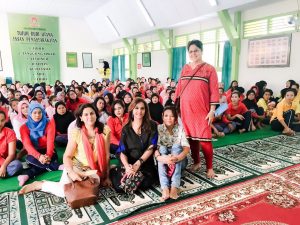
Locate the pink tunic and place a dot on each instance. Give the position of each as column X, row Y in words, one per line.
column 201, row 92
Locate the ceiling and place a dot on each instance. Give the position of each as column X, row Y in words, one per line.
column 125, row 14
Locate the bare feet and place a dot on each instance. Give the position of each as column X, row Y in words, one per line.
column 210, row 173
column 221, row 134
column 22, row 179
column 165, row 194
column 61, row 167
column 242, row 130
column 195, row 167
column 253, row 128
column 174, row 193
column 36, row 185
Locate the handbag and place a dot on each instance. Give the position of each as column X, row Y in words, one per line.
column 130, row 184
column 177, row 101
column 82, row 193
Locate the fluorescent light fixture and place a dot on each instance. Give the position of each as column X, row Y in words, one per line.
column 112, row 26
column 145, row 12
column 213, row 2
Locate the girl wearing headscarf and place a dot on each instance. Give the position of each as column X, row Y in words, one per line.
column 61, row 96
column 156, row 108
column 62, row 119
column 50, row 109
column 38, row 135
column 257, row 113
column 19, row 120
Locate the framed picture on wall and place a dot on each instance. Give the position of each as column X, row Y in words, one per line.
column 1, row 68
column 87, row 60
column 146, row 59
column 270, row 51
column 72, row 59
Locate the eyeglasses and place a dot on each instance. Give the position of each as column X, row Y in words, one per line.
column 195, row 51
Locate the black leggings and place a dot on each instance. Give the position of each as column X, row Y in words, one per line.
column 246, row 123
column 289, row 117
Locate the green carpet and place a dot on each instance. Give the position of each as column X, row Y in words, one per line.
column 232, row 164
column 236, row 138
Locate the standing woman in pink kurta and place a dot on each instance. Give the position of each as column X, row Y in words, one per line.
column 197, row 104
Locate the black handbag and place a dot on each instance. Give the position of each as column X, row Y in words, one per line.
column 177, row 101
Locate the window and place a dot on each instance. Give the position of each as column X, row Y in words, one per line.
column 256, row 28
column 280, row 24
column 148, row 47
column 267, row 26
column 194, row 36
column 155, row 45
column 220, row 54
column 127, row 71
column 208, row 36
column 140, row 47
column 180, row 41
column 213, row 44
column 209, row 53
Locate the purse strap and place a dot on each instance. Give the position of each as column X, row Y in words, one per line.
column 191, row 78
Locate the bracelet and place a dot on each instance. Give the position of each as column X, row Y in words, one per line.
column 141, row 161
column 213, row 111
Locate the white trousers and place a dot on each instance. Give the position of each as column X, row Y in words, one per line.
column 57, row 188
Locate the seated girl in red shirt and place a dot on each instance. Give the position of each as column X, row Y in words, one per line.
column 8, row 165
column 238, row 113
column 74, row 101
column 38, row 135
column 116, row 122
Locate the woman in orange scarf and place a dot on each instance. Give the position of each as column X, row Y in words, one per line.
column 87, row 154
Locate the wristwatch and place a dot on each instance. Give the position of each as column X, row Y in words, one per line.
column 141, row 161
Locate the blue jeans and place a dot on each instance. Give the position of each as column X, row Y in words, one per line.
column 14, row 168
column 162, row 170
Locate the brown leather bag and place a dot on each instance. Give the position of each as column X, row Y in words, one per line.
column 82, row 193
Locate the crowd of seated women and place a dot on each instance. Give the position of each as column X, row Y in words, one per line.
column 135, row 122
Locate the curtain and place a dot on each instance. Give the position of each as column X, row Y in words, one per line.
column 226, row 68
column 122, row 68
column 179, row 60
column 115, row 68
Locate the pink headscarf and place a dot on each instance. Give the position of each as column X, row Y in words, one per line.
column 20, row 116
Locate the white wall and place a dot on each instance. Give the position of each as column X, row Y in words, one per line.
column 75, row 36
column 159, row 66
column 276, row 76
column 7, row 65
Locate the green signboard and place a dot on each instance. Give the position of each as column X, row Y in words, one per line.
column 35, row 48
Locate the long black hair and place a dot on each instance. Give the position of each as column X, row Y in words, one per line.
column 146, row 125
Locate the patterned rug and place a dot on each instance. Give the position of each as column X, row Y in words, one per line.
column 270, row 199
column 234, row 163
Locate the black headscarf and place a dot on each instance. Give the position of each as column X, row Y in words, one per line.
column 156, row 110
column 250, row 104
column 62, row 122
